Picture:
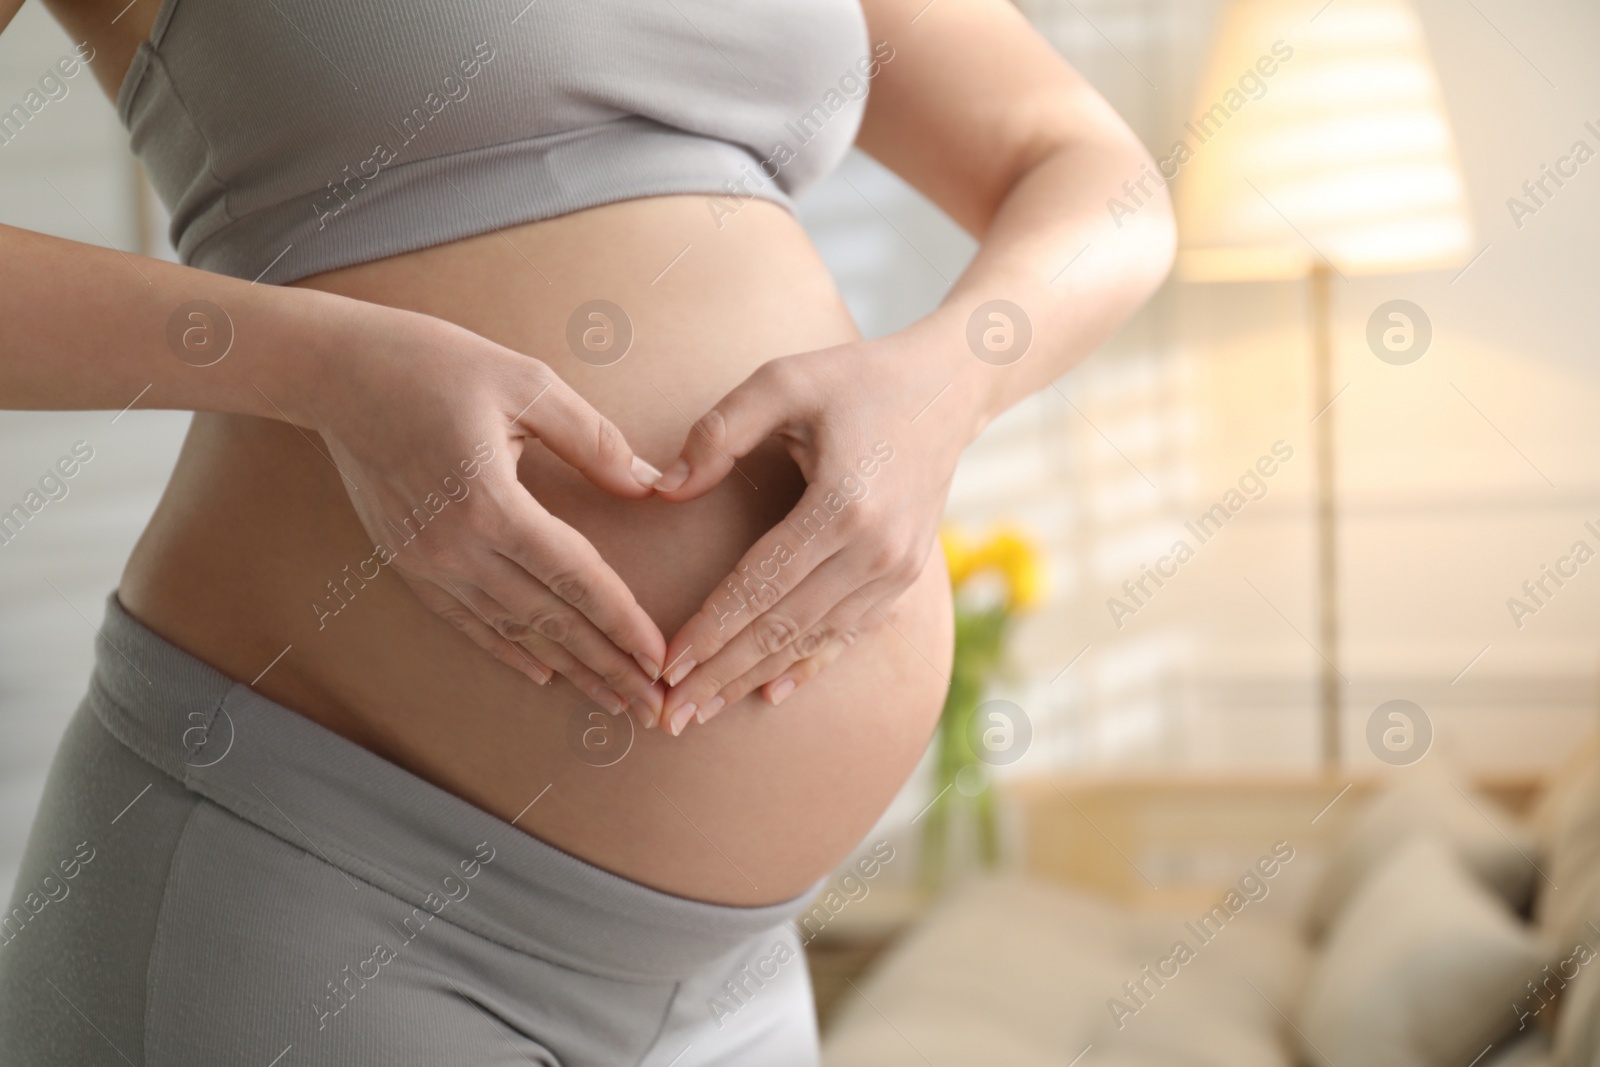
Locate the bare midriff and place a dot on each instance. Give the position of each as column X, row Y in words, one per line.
column 248, row 552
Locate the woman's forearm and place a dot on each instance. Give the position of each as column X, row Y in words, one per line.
column 1053, row 250
column 91, row 328
column 408, row 407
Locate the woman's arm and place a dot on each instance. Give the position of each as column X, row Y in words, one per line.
column 991, row 124
column 979, row 113
column 87, row 328
column 409, row 407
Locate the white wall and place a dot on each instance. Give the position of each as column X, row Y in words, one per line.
column 67, row 173
column 1443, row 517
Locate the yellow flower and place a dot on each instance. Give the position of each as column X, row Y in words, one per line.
column 1021, row 565
column 1006, row 551
column 958, row 553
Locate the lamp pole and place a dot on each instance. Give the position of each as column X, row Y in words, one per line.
column 1327, row 544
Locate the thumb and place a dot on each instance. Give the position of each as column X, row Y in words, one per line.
column 590, row 443
column 752, row 412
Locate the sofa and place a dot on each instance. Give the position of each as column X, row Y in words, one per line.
column 1412, row 920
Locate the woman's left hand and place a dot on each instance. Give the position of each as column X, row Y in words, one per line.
column 876, row 428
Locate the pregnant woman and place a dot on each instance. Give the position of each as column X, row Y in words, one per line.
column 544, row 599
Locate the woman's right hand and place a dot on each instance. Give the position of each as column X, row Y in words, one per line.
column 425, row 422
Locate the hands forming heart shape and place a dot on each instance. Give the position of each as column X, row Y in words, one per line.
column 535, row 594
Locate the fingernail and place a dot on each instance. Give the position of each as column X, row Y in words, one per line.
column 608, row 700
column 713, row 706
column 641, row 711
column 681, row 717
column 679, row 671
column 533, row 668
column 780, row 689
column 645, row 474
column 676, row 474
column 650, row 667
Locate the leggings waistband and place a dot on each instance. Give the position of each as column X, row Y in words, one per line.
column 378, row 822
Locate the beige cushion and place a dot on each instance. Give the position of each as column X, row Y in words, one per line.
column 1420, row 968
column 1571, row 898
column 1254, row 948
column 1423, row 799
column 1529, row 1048
column 1561, row 784
column 1006, row 963
column 1016, row 972
column 1209, row 1012
column 1578, row 1025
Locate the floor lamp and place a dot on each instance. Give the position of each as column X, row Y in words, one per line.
column 1320, row 150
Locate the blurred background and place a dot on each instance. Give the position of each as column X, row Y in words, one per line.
column 1458, row 475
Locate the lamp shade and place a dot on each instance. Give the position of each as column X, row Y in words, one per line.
column 1320, row 133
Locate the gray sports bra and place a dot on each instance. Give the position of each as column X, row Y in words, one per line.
column 289, row 137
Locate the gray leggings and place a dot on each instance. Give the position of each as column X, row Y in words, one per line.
column 213, row 879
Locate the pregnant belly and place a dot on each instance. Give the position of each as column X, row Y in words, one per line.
column 255, row 548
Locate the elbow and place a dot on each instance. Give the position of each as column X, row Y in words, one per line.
column 1161, row 244
column 1150, row 234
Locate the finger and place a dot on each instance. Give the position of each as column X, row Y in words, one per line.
column 824, row 606
column 465, row 616
column 530, row 614
column 787, row 665
column 769, row 570
column 801, row 661
column 750, row 413
column 777, row 690
column 482, row 607
column 789, row 621
column 590, row 443
column 587, row 681
column 567, row 564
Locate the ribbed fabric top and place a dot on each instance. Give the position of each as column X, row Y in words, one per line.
column 292, row 137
